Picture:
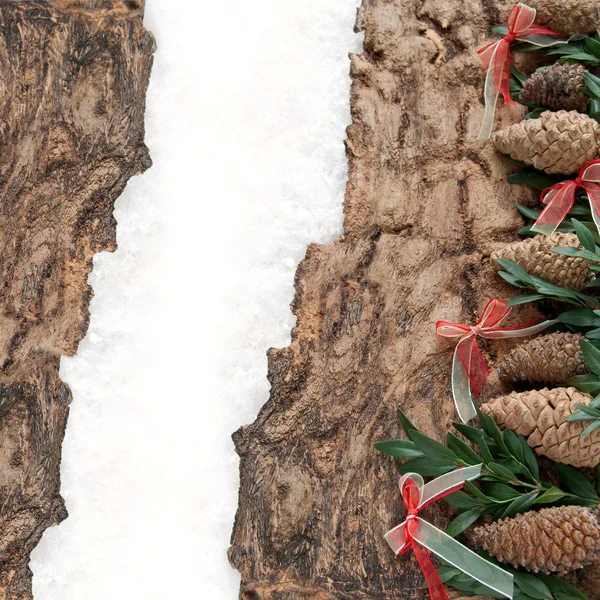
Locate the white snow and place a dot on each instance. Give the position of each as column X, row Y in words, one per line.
column 246, row 119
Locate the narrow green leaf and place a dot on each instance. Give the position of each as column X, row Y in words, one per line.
column 586, row 383
column 525, row 299
column 593, row 47
column 501, row 472
column 514, row 281
column 500, row 491
column 519, row 505
column 424, row 467
column 590, row 428
column 591, row 355
column 567, row 251
column 432, row 449
column 511, row 439
column 463, row 521
column 405, row 422
column 530, row 459
column 580, row 317
column 575, row 482
column 585, row 237
column 399, row 449
column 463, row 451
column 532, row 586
column 462, row 500
column 471, row 433
column 550, row 496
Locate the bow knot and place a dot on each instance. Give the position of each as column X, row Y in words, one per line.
column 560, row 198
column 476, row 330
column 496, row 59
column 421, row 537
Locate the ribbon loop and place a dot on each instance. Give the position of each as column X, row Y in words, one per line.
column 496, row 58
column 469, row 369
column 560, row 198
column 422, row 537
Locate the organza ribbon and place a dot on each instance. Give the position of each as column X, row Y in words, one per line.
column 496, row 59
column 559, row 199
column 469, row 369
column 423, row 538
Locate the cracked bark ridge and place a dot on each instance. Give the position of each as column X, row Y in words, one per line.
column 73, row 80
column 426, row 205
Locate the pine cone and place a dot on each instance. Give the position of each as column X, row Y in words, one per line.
column 567, row 16
column 541, row 415
column 552, row 540
column 557, row 87
column 557, row 142
column 550, row 359
column 536, row 257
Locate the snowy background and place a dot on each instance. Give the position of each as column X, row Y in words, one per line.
column 247, row 109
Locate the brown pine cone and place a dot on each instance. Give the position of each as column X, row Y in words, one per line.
column 551, row 540
column 550, row 359
column 541, row 416
column 556, row 142
column 557, row 87
column 567, row 16
column 536, row 257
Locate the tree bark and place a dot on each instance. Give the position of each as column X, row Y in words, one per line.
column 425, row 206
column 73, row 80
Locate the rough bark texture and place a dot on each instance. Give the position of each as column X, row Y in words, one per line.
column 73, row 79
column 425, row 207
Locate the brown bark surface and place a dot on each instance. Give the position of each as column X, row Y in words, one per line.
column 426, row 204
column 73, row 80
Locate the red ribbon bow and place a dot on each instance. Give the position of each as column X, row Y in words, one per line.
column 559, row 198
column 520, row 24
column 468, row 351
column 411, row 497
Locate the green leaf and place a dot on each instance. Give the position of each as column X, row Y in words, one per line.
column 550, row 496
column 532, row 586
column 463, row 451
column 463, row 521
column 534, row 179
column 591, row 354
column 511, row 439
column 530, row 459
column 500, row 491
column 462, row 500
column 471, row 433
column 594, row 283
column 399, row 449
column 580, row 317
column 585, row 383
column 501, row 472
column 575, row 482
column 405, row 422
column 585, row 236
column 592, row 46
column 519, row 505
column 594, row 413
column 525, row 299
column 514, row 281
column 432, row 449
column 489, row 426
column 485, row 452
column 567, row 251
column 514, row 269
column 526, row 211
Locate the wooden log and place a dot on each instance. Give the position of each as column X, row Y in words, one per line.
column 73, row 80
column 425, row 206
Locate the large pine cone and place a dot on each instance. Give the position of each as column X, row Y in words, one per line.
column 567, row 16
column 536, row 257
column 550, row 359
column 552, row 540
column 541, row 416
column 557, row 87
column 557, row 142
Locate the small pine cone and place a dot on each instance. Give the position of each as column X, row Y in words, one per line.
column 550, row 359
column 536, row 257
column 556, row 142
column 551, row 540
column 557, row 87
column 541, row 416
column 567, row 16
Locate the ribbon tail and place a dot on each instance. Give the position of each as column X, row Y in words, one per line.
column 491, row 100
column 593, row 192
column 432, row 577
column 518, row 332
column 467, row 561
column 556, row 210
column 461, row 390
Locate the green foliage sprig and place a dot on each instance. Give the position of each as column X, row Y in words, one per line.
column 510, row 483
column 580, row 49
column 527, row 586
column 544, row 290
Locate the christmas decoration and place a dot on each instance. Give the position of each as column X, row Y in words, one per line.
column 552, row 540
column 469, row 370
column 558, row 87
column 422, row 538
column 550, row 359
column 568, row 16
column 541, row 415
column 536, row 257
column 556, row 142
column 497, row 60
column 560, row 198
